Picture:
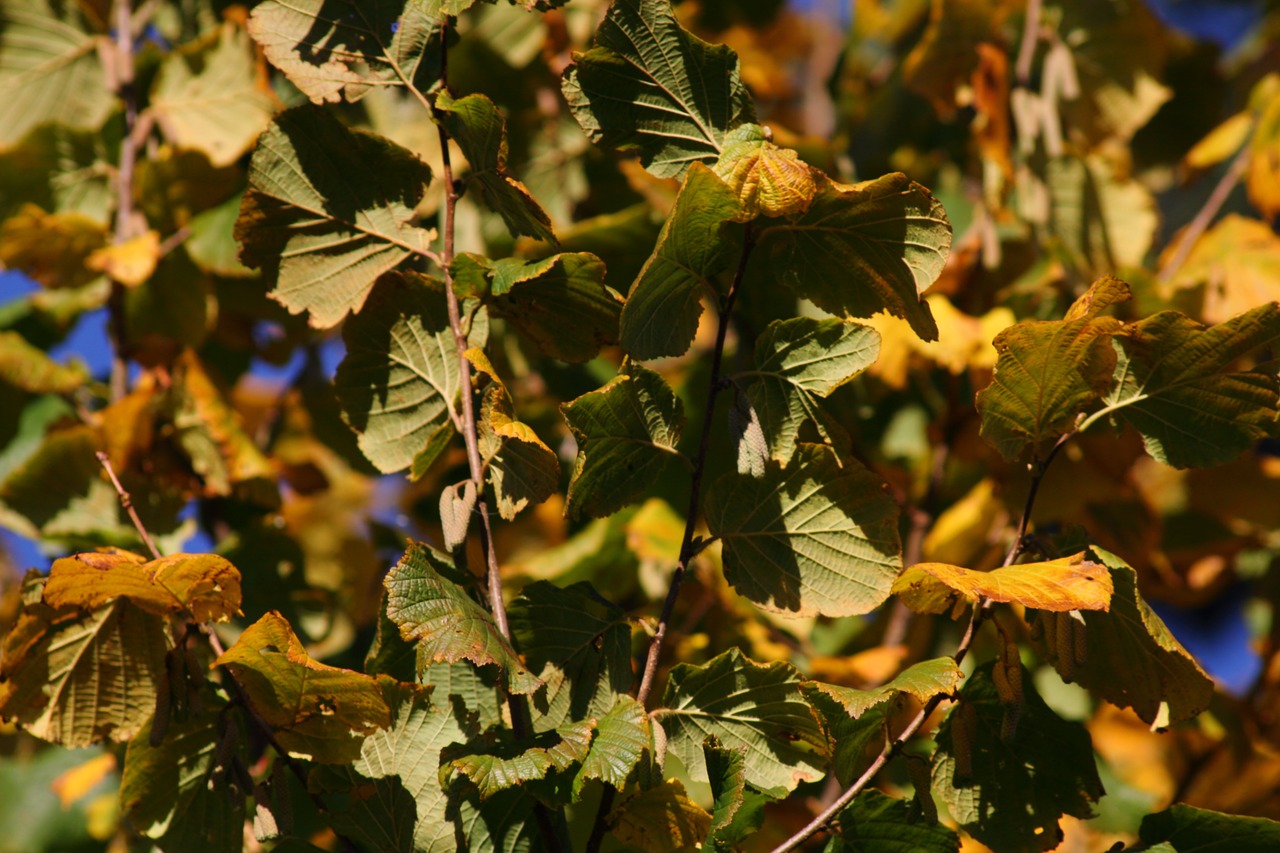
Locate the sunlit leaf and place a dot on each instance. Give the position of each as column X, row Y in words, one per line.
column 865, row 248
column 29, row 368
column 767, row 180
column 50, row 71
column 622, row 735
column 390, row 798
column 328, row 210
column 650, row 85
column 1063, row 585
column 578, row 644
column 1106, row 220
column 449, row 626
column 1220, row 143
column 1048, row 371
column 400, row 380
column 204, row 586
column 661, row 314
column 315, row 711
column 812, row 537
column 1237, row 262
column 923, row 680
column 747, row 705
column 130, row 263
column 78, row 677
column 1175, row 385
column 1191, row 830
column 1009, row 792
column 626, row 431
column 521, row 468
column 331, row 50
column 661, row 819
column 478, row 128
column 876, row 821
column 1127, row 656
column 508, row 763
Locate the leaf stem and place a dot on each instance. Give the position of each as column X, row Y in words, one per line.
column 981, row 610
column 127, row 502
column 688, row 547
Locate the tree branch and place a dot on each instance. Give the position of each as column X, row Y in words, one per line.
column 1200, row 223
column 127, row 502
column 981, row 610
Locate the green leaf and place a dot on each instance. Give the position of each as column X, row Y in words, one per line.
column 399, row 382
column 852, row 741
column 209, row 99
column 449, row 626
column 328, row 210
column 560, row 303
column 861, row 249
column 660, row 819
column 331, row 49
column 1126, row 656
column 626, row 432
column 746, row 705
column 205, row 587
column 78, row 677
column 650, row 85
column 1175, row 385
column 480, row 131
column 877, row 823
column 578, row 644
column 768, row 180
column 798, row 360
column 813, row 537
column 521, row 468
column 1009, row 793
column 622, row 735
column 736, row 811
column 317, row 712
column 27, row 367
column 509, row 763
column 922, row 680
column 179, row 794
column 1049, row 371
column 50, row 70
column 1190, row 830
column 390, row 799
column 661, row 314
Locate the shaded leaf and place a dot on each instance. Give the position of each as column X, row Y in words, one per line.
column 1127, row 655
column 661, row 819
column 767, row 180
column 331, row 49
column 328, row 210
column 865, row 248
column 661, row 313
column 210, row 100
column 648, row 84
column 877, row 823
column 510, row 763
column 52, row 248
column 50, row 72
column 399, row 381
column 390, row 798
column 922, row 680
column 746, row 705
column 1049, row 371
column 797, row 361
column 1187, row 829
column 520, row 467
column 78, row 677
column 622, row 735
column 449, row 626
column 480, row 131
column 1175, row 385
column 1017, row 787
column 317, row 712
column 811, row 537
column 736, row 811
column 1062, row 585
column 27, row 367
column 204, row 586
column 626, row 431
column 578, row 644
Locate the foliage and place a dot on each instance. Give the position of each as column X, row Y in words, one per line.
column 555, row 425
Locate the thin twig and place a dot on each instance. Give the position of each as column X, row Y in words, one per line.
column 688, row 546
column 127, row 502
column 981, row 610
column 1187, row 239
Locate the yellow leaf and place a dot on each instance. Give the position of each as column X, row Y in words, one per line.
column 1069, row 583
column 73, row 785
column 1238, row 263
column 131, row 262
column 661, row 819
column 204, row 585
column 768, row 180
column 1220, row 143
column 51, row 247
column 1263, row 177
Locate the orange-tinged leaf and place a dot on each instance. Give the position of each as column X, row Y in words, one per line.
column 204, row 585
column 769, row 181
column 1069, row 583
column 74, row 784
column 131, row 262
column 51, row 247
column 316, row 711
